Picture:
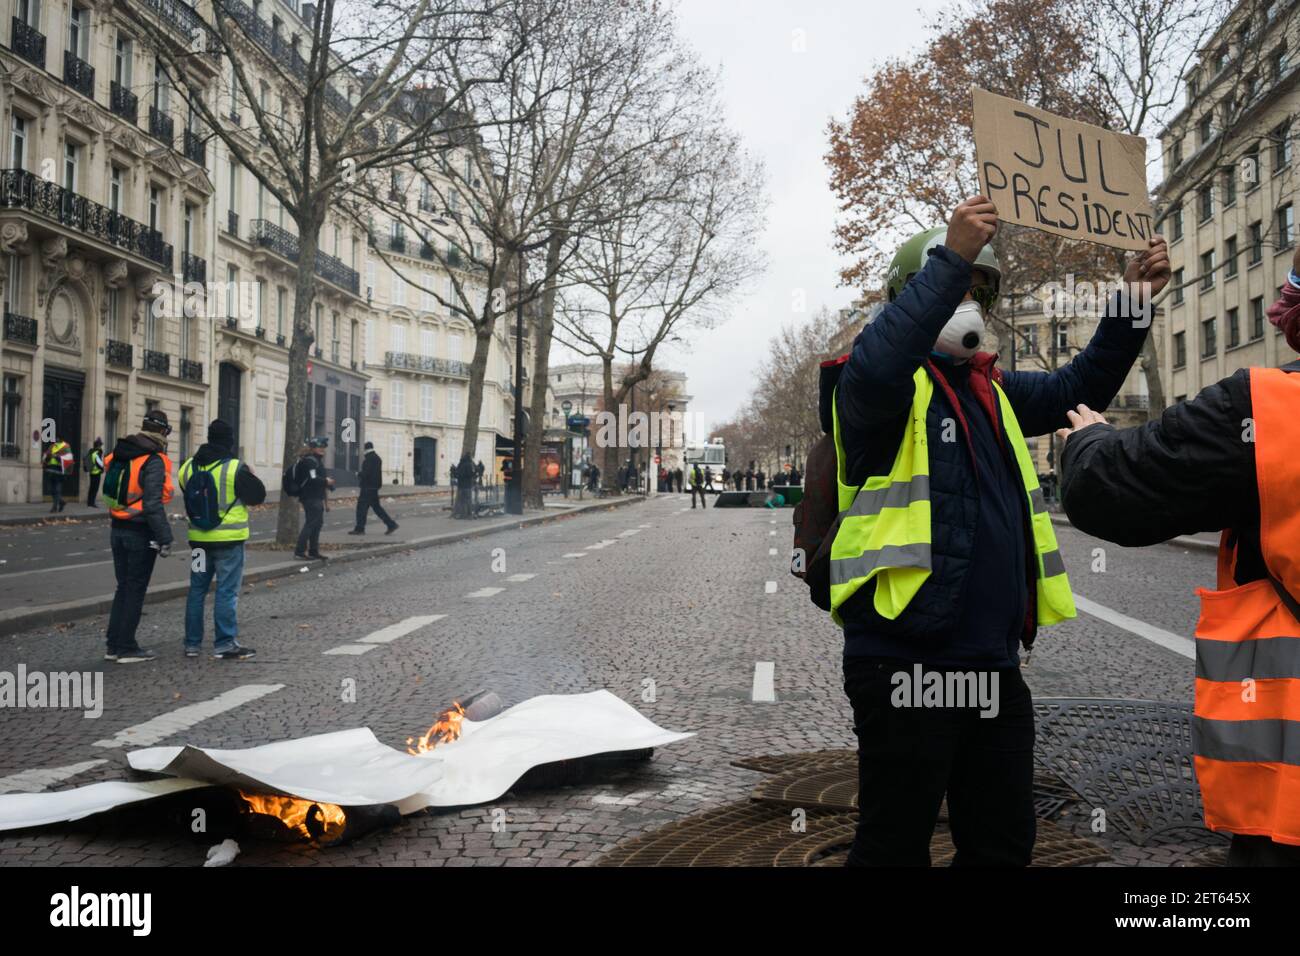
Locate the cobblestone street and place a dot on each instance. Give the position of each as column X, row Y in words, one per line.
column 650, row 596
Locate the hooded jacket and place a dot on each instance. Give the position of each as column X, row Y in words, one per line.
column 309, row 460
column 978, row 602
column 371, row 474
column 248, row 487
column 152, row 517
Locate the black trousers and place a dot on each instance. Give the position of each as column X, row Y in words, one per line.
column 369, row 498
column 313, row 516
column 94, row 490
column 698, row 491
column 133, row 562
column 1248, row 850
column 910, row 757
column 56, row 490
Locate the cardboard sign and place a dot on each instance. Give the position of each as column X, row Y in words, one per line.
column 1062, row 176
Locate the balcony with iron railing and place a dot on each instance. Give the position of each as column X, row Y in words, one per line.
column 160, row 363
column 20, row 189
column 193, row 269
column 78, row 74
column 19, row 328
column 191, row 371
column 194, row 149
column 118, row 354
column 161, row 126
column 409, row 362
column 123, row 102
column 28, row 43
column 285, row 244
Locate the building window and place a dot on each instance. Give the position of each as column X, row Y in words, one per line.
column 426, row 342
column 1278, row 63
column 1256, row 318
column 10, row 445
column 1281, row 147
column 1178, row 286
column 151, row 330
column 399, row 290
column 1176, row 154
column 232, row 287
column 1205, row 203
column 1256, row 254
column 115, row 189
column 186, row 430
column 123, row 55
column 281, row 303
column 70, row 165
column 320, row 318
column 1207, row 270
column 398, row 333
column 185, row 322
column 1285, row 227
column 160, row 87
column 334, row 337
column 114, row 298
column 372, row 342
column 112, row 412
column 259, row 289
column 1229, row 180
column 1234, row 328
column 399, row 399
column 453, row 346
column 155, row 207
column 18, row 142
column 426, row 403
column 1180, row 349
column 1209, row 338
column 453, row 404
column 13, row 301
column 260, row 434
column 1176, row 224
column 1230, row 257
column 1205, row 129
column 78, row 32
column 277, row 449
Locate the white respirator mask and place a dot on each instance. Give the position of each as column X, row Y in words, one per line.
column 960, row 338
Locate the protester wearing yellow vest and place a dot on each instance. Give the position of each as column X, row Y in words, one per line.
column 943, row 562
column 95, row 468
column 1225, row 460
column 58, row 463
column 219, row 551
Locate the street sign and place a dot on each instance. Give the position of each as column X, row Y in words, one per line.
column 658, row 460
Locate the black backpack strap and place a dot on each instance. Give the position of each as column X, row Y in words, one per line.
column 1288, row 599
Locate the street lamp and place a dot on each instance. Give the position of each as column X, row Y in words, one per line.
column 566, row 406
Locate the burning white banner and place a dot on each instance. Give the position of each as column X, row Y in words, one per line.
column 353, row 768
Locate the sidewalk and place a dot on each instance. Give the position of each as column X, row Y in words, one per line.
column 48, row 588
column 12, row 515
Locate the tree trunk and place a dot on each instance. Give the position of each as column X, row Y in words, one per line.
column 1150, row 360
column 541, row 374
column 474, row 401
column 295, row 392
column 609, row 460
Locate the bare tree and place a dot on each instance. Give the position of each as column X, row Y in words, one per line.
column 685, row 245
column 282, row 112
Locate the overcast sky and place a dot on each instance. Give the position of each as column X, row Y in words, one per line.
column 780, row 102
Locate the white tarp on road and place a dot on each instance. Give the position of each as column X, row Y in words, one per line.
column 353, row 768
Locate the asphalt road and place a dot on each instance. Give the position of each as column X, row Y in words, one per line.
column 689, row 600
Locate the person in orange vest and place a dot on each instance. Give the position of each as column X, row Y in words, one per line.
column 137, row 484
column 1222, row 461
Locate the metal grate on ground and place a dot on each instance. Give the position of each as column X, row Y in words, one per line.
column 763, row 835
column 829, row 779
column 1130, row 758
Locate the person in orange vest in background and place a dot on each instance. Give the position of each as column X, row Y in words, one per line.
column 58, row 463
column 137, row 484
column 1223, row 461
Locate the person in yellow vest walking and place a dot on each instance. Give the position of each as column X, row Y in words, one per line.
column 58, row 464
column 943, row 562
column 1225, row 460
column 218, row 489
column 137, row 485
column 95, row 468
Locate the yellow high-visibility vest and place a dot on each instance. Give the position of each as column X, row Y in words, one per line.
column 234, row 521
column 885, row 523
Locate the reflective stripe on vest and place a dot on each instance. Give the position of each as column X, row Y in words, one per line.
column 884, row 526
column 134, row 504
column 1246, row 727
column 234, row 514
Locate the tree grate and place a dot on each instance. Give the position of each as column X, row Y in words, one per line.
column 1129, row 758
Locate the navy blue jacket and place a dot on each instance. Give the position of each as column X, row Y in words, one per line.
column 979, row 601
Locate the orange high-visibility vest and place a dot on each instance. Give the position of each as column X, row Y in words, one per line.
column 135, row 494
column 1246, row 725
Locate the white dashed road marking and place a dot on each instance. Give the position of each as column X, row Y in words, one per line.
column 764, row 691
column 520, row 578
column 183, row 718
column 34, row 781
column 484, row 592
column 1166, row 639
column 353, row 649
column 769, row 587
column 393, row 631
column 771, row 551
column 576, row 554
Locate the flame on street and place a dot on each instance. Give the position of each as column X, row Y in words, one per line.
column 326, row 818
column 444, row 730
